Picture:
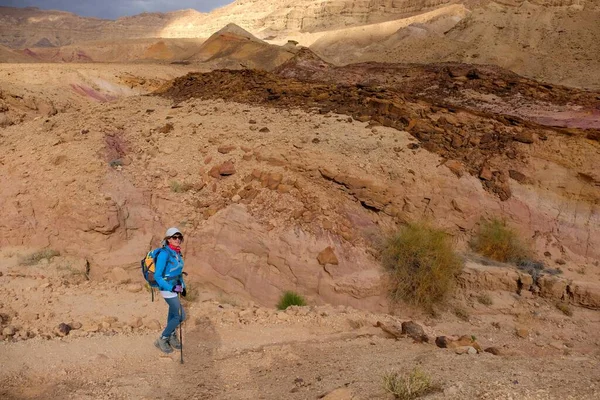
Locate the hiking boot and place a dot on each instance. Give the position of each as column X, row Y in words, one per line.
column 174, row 341
column 163, row 344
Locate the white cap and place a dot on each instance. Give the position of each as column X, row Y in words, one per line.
column 172, row 231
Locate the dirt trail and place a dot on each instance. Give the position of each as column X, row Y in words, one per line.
column 238, row 350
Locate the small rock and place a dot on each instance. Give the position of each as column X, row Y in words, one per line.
column 415, row 331
column 8, row 331
column 443, row 342
column 282, row 316
column 493, row 350
column 236, row 198
column 75, row 325
column 225, row 149
column 524, row 137
column 522, row 333
column 62, row 330
column 465, row 350
column 560, row 261
column 91, row 327
column 456, row 167
column 152, row 325
column 227, row 168
column 517, row 176
column 327, row 256
column 135, row 322
column 264, row 130
column 166, row 128
column 485, row 173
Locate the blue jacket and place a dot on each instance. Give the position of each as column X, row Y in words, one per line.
column 169, row 269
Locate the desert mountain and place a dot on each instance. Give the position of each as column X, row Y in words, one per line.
column 556, row 41
column 234, row 47
column 31, row 27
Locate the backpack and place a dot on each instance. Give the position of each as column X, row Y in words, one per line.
column 148, row 265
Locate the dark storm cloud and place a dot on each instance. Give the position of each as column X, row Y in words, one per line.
column 113, row 9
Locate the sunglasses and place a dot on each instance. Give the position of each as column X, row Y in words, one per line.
column 177, row 237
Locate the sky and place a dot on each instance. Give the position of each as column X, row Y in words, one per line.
column 112, row 9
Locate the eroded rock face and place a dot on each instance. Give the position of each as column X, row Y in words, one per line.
column 238, row 255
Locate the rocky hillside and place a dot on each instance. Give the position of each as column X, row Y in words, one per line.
column 286, row 182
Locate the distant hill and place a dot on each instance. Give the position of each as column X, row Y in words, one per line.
column 550, row 40
column 14, row 56
column 234, row 47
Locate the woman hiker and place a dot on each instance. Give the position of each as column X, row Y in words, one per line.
column 169, row 277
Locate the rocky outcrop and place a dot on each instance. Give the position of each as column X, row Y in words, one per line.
column 554, row 287
column 237, row 255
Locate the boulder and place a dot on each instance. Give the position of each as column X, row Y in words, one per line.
column 415, row 331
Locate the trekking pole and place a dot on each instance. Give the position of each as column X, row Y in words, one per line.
column 180, row 329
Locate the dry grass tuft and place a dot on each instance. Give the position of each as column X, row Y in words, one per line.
column 422, row 264
column 565, row 308
column 499, row 242
column 485, row 299
column 461, row 313
column 191, row 293
column 34, row 258
column 409, row 386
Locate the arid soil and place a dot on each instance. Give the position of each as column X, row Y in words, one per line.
column 238, row 350
column 265, row 173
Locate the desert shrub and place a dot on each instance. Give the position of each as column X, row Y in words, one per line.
column 565, row 308
column 409, row 386
column 422, row 264
column 290, row 298
column 36, row 257
column 499, row 242
column 485, row 299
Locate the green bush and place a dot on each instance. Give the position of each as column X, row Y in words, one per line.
column 499, row 242
column 290, row 298
column 411, row 386
column 422, row 264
